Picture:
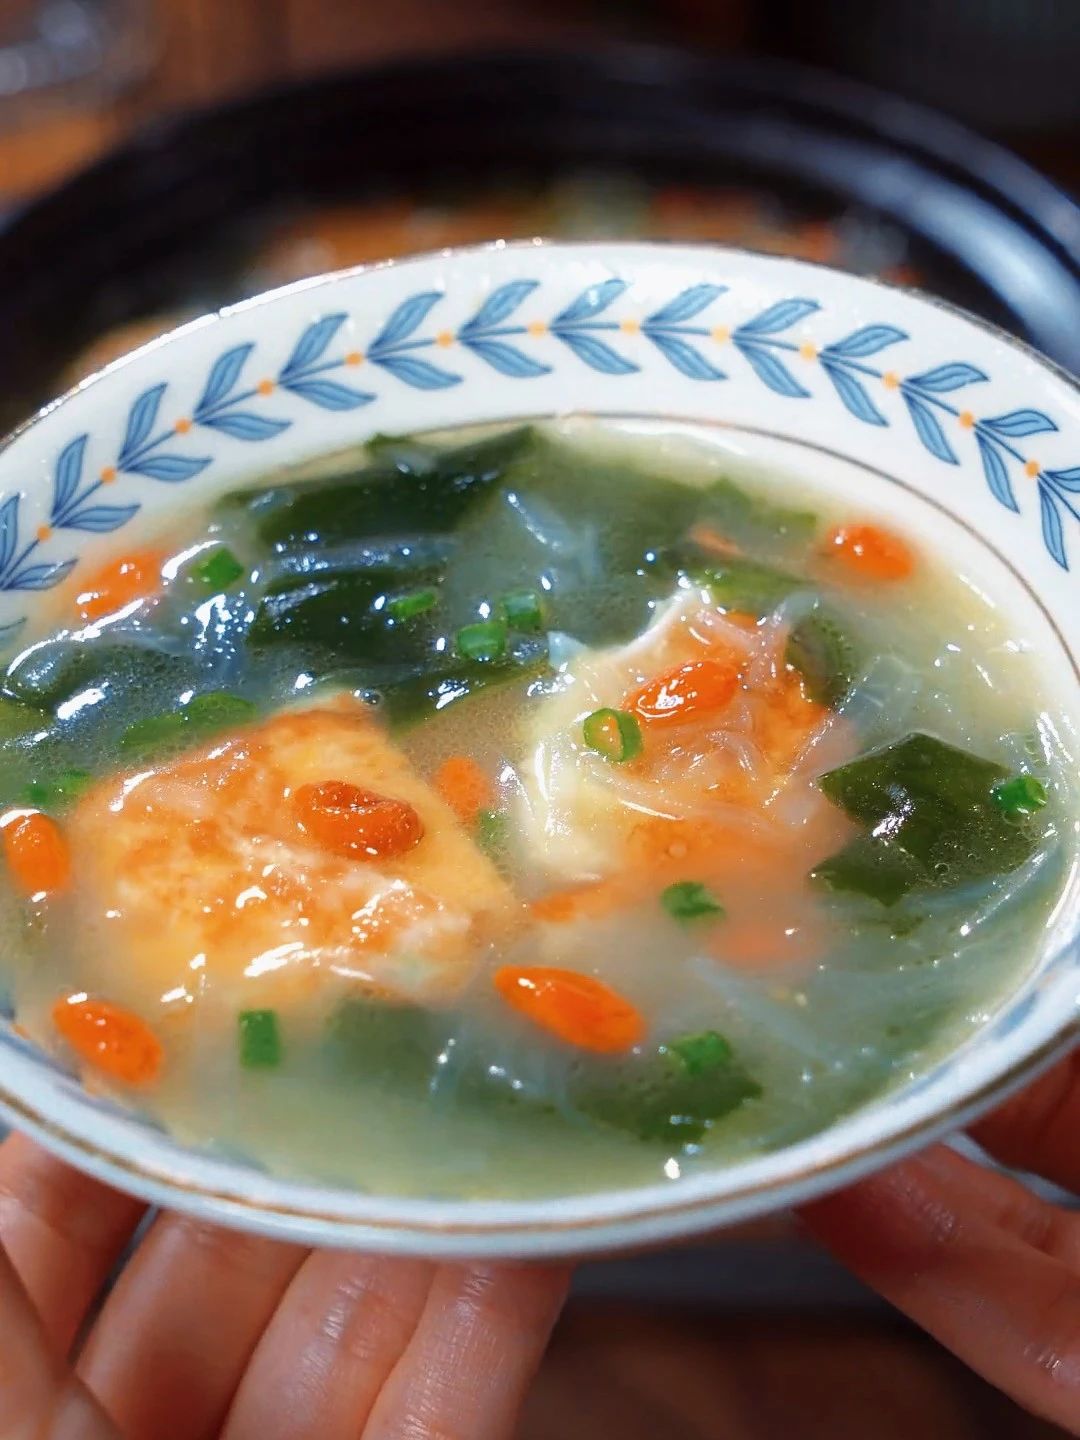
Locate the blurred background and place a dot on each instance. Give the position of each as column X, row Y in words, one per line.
column 162, row 157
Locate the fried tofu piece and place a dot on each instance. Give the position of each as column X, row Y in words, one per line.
column 195, row 877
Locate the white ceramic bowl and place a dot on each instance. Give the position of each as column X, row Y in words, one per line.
column 915, row 407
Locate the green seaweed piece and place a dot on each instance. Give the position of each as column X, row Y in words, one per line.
column 408, row 488
column 823, row 652
column 411, row 698
column 342, row 618
column 387, row 1042
column 580, row 531
column 735, row 583
column 674, row 1093
column 751, row 519
column 48, row 674
column 930, row 818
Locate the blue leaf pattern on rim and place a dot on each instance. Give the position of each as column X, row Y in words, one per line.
column 222, row 378
column 686, row 305
column 312, row 343
column 590, row 303
column 780, row 316
column 595, row 353
column 328, row 394
column 499, row 306
column 69, row 468
column 769, row 369
column 997, row 475
column 487, row 337
column 141, row 420
column 946, row 377
column 507, row 359
column 242, row 425
column 683, row 355
column 576, row 327
column 852, row 393
column 928, row 428
column 1053, row 534
column 1019, row 423
column 170, row 469
column 40, row 577
column 585, row 327
column 667, row 329
column 420, row 374
column 9, row 530
column 405, row 319
column 867, row 341
column 101, row 518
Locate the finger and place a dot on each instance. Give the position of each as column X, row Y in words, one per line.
column 1000, row 1200
column 918, row 1235
column 1037, row 1130
column 63, row 1232
column 172, row 1342
column 40, row 1399
column 479, row 1341
column 337, row 1334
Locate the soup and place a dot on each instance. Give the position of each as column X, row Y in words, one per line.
column 519, row 812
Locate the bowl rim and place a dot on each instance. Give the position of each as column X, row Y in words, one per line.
column 538, row 1226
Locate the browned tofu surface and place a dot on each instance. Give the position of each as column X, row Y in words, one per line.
column 195, row 876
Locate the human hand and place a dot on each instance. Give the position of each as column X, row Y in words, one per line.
column 976, row 1258
column 210, row 1333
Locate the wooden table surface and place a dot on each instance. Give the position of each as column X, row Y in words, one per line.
column 631, row 1369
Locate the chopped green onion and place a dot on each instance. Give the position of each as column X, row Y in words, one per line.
column 703, row 1052
column 219, row 570
column 416, row 602
column 523, row 610
column 17, row 718
column 1022, row 795
column 59, row 791
column 152, row 733
column 217, row 710
column 614, row 734
column 491, row 831
column 689, row 900
column 260, row 1039
column 486, row 640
